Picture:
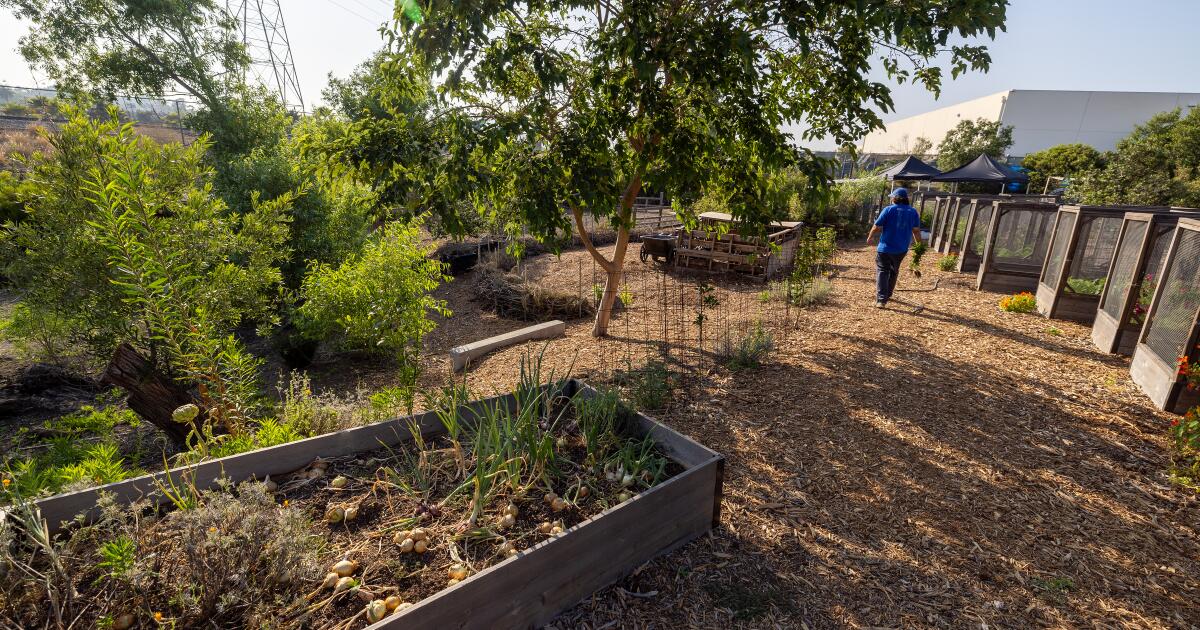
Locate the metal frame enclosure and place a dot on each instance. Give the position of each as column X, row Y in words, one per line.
column 1158, row 376
column 1002, row 276
column 1143, row 239
column 1054, row 300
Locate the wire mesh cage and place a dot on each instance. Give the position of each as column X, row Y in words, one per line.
column 941, row 207
column 1136, row 266
column 1014, row 245
column 1172, row 322
column 979, row 216
column 1080, row 255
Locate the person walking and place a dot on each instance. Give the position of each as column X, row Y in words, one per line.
column 896, row 228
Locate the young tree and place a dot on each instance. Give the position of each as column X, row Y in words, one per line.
column 969, row 138
column 125, row 246
column 1063, row 160
column 148, row 48
column 552, row 112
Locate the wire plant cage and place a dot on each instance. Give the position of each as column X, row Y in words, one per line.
column 1077, row 263
column 1014, row 245
column 1172, row 323
column 1136, row 268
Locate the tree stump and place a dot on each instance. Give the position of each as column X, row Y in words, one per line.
column 152, row 395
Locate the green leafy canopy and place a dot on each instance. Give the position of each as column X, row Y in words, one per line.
column 541, row 104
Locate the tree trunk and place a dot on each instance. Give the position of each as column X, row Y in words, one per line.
column 152, row 395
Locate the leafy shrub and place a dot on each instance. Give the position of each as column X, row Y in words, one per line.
column 815, row 251
column 14, row 191
column 379, row 300
column 649, row 387
column 1063, row 160
column 125, row 244
column 748, row 351
column 1084, row 286
column 948, row 263
column 44, row 337
column 1023, row 302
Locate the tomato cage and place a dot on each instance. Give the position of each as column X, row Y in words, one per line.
column 1171, row 327
column 1136, row 268
column 1014, row 245
column 960, row 216
column 1080, row 254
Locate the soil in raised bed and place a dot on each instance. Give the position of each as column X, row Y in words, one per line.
column 373, row 484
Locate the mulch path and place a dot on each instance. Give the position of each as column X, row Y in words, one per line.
column 939, row 463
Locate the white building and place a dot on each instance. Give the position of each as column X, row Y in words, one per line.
column 1039, row 118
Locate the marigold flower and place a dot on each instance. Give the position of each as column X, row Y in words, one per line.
column 285, row 503
column 158, row 616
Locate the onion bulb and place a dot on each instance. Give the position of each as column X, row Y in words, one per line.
column 583, row 492
column 420, row 546
column 558, row 505
column 627, row 480
column 545, row 527
column 550, row 497
column 508, row 548
column 511, row 510
column 392, row 601
column 458, row 572
column 335, row 515
column 344, row 584
column 418, row 534
column 624, row 496
column 123, row 622
column 366, row 596
column 351, row 513
column 376, row 611
column 407, row 545
column 339, row 482
column 345, row 567
column 330, row 580
column 402, row 607
column 556, row 530
column 452, row 582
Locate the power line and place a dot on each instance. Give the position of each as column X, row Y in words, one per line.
column 354, row 13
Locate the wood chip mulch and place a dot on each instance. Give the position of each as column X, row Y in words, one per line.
column 939, row 463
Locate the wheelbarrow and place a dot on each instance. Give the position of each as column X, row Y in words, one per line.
column 660, row 247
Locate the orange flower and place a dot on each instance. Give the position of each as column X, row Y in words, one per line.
column 7, row 481
column 285, row 503
column 158, row 617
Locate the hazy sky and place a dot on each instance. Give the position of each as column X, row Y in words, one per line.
column 1050, row 44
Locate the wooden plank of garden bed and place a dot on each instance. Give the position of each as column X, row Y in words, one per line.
column 532, row 588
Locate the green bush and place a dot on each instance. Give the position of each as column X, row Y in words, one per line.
column 125, row 243
column 1063, row 160
column 948, row 263
column 378, row 301
column 649, row 387
column 14, row 191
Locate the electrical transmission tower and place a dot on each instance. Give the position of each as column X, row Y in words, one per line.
column 260, row 23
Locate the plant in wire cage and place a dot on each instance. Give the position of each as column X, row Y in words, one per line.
column 1186, row 430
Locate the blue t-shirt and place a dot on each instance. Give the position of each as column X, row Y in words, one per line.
column 898, row 222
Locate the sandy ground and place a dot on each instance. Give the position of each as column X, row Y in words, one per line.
column 936, row 464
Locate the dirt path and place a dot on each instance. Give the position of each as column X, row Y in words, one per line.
column 936, row 464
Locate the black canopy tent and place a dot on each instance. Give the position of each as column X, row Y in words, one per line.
column 983, row 169
column 910, row 168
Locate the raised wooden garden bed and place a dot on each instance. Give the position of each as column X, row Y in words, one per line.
column 1014, row 248
column 716, row 246
column 1080, row 255
column 526, row 589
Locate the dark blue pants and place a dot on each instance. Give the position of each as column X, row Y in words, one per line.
column 887, row 271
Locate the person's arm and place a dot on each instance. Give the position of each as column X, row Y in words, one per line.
column 875, row 231
column 917, row 235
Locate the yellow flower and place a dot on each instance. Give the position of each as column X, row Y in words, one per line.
column 212, row 530
column 285, row 503
column 7, row 481
column 158, row 617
